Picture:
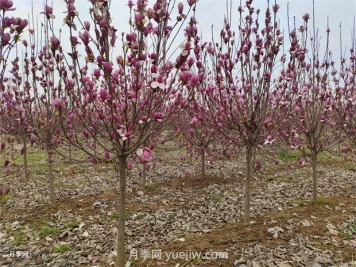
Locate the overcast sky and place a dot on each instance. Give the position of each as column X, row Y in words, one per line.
column 211, row 12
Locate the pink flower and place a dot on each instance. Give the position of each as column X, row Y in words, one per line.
column 107, row 155
column 194, row 121
column 85, row 133
column 57, row 103
column 269, row 140
column 84, row 37
column 144, row 154
column 104, row 95
column 54, row 41
column 2, row 146
column 48, row 11
column 92, row 160
column 6, row 5
column 186, row 172
column 129, row 165
column 158, row 116
column 180, row 8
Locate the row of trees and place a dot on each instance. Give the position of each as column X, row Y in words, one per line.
column 113, row 103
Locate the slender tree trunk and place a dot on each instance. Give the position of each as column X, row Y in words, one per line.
column 12, row 151
column 51, row 177
column 144, row 174
column 120, row 261
column 314, row 164
column 25, row 166
column 287, row 163
column 95, row 154
column 248, row 187
column 70, row 151
column 254, row 155
column 203, row 163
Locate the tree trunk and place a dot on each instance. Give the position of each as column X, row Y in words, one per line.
column 248, row 187
column 12, row 151
column 203, row 163
column 70, row 151
column 51, row 177
column 144, row 174
column 314, row 164
column 25, row 160
column 254, row 155
column 95, row 154
column 120, row 261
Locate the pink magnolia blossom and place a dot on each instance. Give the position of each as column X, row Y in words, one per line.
column 57, row 103
column 104, row 95
column 145, row 154
column 194, row 121
column 129, row 165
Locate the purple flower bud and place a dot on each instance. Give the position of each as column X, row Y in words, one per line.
column 57, row 103
column 104, row 95
column 180, row 8
column 5, row 39
column 85, row 133
column 6, row 5
column 87, row 25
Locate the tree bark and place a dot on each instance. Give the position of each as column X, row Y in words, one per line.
column 12, row 150
column 248, row 187
column 51, row 177
column 254, row 155
column 25, row 165
column 203, row 163
column 314, row 174
column 120, row 261
column 144, row 174
column 70, row 151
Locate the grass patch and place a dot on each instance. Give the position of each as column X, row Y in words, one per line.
column 115, row 215
column 4, row 198
column 73, row 224
column 300, row 202
column 353, row 227
column 48, row 230
column 268, row 179
column 350, row 168
column 321, row 201
column 18, row 235
column 217, row 198
column 61, row 249
column 103, row 218
column 171, row 217
column 291, row 155
column 150, row 185
column 346, row 236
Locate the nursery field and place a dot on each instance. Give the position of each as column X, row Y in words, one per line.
column 179, row 219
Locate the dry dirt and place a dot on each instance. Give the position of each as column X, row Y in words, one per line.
column 175, row 213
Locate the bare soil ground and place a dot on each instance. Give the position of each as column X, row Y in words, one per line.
column 183, row 220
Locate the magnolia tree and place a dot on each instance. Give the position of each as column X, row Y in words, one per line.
column 246, row 103
column 315, row 104
column 134, row 90
column 194, row 130
column 37, row 93
column 346, row 98
column 10, row 33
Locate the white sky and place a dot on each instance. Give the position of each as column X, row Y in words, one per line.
column 212, row 12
